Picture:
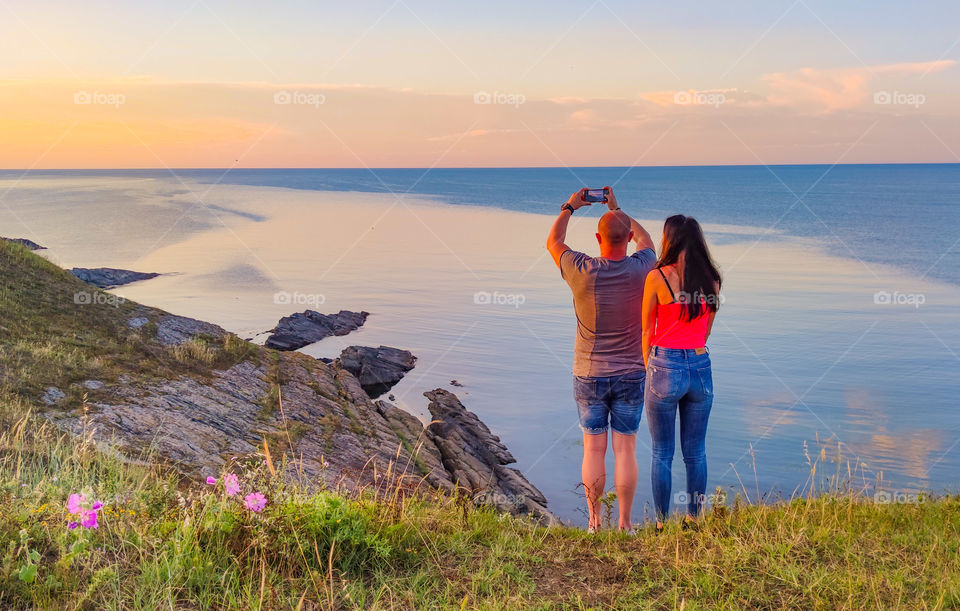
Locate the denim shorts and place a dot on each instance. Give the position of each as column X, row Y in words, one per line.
column 610, row 402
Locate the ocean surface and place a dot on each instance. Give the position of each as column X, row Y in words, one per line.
column 840, row 330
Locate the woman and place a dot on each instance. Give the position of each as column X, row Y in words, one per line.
column 680, row 300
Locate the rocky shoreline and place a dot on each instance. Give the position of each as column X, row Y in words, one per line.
column 151, row 386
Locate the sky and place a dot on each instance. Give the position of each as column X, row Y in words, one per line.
column 407, row 83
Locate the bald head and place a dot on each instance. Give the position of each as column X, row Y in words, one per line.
column 614, row 228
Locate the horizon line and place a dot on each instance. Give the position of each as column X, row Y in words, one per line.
column 516, row 167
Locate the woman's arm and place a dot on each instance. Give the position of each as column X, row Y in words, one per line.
column 649, row 312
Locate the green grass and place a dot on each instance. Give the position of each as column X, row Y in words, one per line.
column 164, row 542
column 169, row 542
column 58, row 331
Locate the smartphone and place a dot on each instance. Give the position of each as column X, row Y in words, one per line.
column 595, row 196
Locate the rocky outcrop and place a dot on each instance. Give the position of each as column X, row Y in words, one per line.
column 304, row 328
column 475, row 458
column 25, row 242
column 173, row 330
column 377, row 369
column 108, row 277
column 328, row 428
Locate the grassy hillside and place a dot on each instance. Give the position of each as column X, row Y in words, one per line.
column 58, row 331
column 162, row 541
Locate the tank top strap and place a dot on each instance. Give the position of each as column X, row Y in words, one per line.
column 667, row 282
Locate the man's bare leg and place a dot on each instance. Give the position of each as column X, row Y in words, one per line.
column 594, row 473
column 625, row 475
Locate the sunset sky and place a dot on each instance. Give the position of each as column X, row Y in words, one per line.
column 407, row 83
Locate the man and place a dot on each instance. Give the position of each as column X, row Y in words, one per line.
column 608, row 356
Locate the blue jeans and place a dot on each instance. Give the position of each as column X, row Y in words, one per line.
column 678, row 381
column 610, row 402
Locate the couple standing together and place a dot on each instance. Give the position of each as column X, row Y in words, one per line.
column 642, row 328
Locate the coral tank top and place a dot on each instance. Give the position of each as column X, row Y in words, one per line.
column 672, row 331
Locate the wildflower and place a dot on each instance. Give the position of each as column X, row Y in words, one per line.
column 75, row 502
column 255, row 502
column 231, row 484
column 97, row 506
column 72, row 525
column 89, row 520
column 212, row 481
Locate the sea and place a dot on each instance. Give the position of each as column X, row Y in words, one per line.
column 836, row 351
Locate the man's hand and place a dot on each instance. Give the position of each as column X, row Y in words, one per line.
column 611, row 199
column 576, row 200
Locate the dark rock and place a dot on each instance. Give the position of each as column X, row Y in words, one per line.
column 25, row 242
column 378, row 369
column 303, row 328
column 108, row 277
column 173, row 330
column 475, row 459
column 456, row 383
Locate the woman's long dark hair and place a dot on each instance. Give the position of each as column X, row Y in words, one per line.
column 700, row 285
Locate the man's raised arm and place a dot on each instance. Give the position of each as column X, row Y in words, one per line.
column 640, row 235
column 558, row 233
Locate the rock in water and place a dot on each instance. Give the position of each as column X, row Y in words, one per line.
column 378, row 369
column 108, row 277
column 475, row 459
column 25, row 242
column 303, row 328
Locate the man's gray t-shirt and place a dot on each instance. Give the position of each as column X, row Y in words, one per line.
column 608, row 300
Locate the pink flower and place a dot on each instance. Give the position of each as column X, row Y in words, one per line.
column 231, row 484
column 75, row 503
column 212, row 481
column 72, row 525
column 89, row 520
column 97, row 506
column 255, row 502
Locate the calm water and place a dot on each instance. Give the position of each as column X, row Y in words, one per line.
column 804, row 347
